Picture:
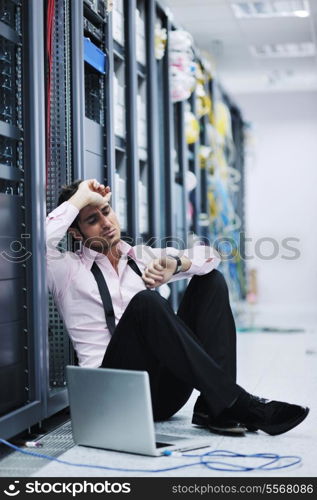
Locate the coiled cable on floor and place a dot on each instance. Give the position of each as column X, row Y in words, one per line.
column 210, row 460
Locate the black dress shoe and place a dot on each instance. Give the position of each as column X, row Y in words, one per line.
column 253, row 428
column 272, row 417
column 223, row 425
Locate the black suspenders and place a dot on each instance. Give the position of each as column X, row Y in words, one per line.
column 105, row 294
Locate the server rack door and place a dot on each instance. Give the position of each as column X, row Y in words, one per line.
column 131, row 92
column 118, row 82
column 96, row 70
column 78, row 106
column 58, row 172
column 21, row 98
column 205, row 164
column 153, row 125
column 143, row 198
column 166, row 141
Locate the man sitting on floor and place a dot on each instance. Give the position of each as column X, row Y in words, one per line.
column 104, row 293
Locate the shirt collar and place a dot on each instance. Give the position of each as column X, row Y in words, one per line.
column 90, row 256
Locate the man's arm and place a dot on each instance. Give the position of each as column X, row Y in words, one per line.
column 90, row 192
column 161, row 269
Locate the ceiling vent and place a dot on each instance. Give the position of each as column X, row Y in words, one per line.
column 270, row 8
column 306, row 49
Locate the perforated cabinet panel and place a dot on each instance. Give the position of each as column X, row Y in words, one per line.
column 59, row 170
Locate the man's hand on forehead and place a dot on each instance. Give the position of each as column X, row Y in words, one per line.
column 105, row 191
column 102, row 190
column 91, row 192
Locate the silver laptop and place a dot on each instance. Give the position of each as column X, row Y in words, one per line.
column 112, row 409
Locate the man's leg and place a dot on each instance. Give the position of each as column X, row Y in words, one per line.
column 205, row 308
column 151, row 337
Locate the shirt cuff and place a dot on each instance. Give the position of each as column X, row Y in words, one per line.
column 203, row 266
column 203, row 260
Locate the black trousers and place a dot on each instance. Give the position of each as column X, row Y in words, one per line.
column 195, row 348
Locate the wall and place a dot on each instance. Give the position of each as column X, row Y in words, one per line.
column 281, row 198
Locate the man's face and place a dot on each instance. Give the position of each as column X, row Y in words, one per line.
column 100, row 227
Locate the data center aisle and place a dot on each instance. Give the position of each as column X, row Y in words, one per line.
column 275, row 365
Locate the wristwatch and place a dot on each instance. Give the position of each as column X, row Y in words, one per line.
column 179, row 263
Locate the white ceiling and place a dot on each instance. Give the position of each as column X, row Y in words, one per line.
column 227, row 39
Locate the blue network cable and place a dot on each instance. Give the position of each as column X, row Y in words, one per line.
column 205, row 459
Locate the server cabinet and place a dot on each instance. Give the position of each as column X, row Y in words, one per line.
column 132, row 125
column 59, row 171
column 205, row 142
column 22, row 278
column 95, row 66
column 76, row 115
column 227, row 190
column 238, row 140
column 153, row 126
column 167, row 150
column 165, row 132
column 194, row 167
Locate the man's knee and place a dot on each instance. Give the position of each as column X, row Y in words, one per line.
column 213, row 281
column 217, row 277
column 214, row 276
column 147, row 297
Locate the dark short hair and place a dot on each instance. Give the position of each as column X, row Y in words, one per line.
column 67, row 191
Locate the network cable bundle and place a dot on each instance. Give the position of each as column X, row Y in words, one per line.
column 182, row 65
column 218, row 460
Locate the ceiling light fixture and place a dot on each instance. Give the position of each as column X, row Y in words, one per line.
column 306, row 49
column 270, row 8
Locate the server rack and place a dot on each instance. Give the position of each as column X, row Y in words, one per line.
column 153, row 126
column 142, row 115
column 238, row 139
column 193, row 165
column 132, row 91
column 179, row 188
column 205, row 141
column 227, row 227
column 95, row 68
column 198, row 196
column 164, row 135
column 59, row 171
column 23, row 313
column 117, row 82
column 166, row 140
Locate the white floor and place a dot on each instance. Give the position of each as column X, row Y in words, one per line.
column 275, row 365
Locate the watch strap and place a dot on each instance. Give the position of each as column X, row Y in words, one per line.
column 179, row 263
